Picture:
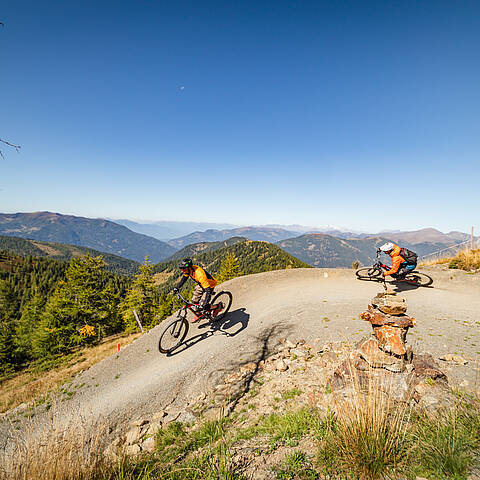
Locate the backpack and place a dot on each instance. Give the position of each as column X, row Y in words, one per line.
column 408, row 255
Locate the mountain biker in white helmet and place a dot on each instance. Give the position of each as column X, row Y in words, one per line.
column 403, row 260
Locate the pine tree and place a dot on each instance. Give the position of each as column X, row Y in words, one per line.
column 31, row 317
column 141, row 297
column 8, row 304
column 84, row 298
column 229, row 268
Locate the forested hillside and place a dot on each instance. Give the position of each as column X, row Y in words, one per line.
column 99, row 234
column 64, row 252
column 44, row 303
column 202, row 247
column 251, row 257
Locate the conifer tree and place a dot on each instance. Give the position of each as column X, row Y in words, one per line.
column 141, row 297
column 8, row 303
column 31, row 317
column 84, row 298
column 229, row 268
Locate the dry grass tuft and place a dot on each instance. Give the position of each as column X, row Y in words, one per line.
column 30, row 385
column 70, row 453
column 465, row 260
column 369, row 440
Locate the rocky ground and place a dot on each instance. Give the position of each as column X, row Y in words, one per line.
column 295, row 375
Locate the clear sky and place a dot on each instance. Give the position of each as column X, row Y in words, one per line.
column 363, row 114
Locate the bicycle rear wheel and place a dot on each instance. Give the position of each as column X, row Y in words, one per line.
column 173, row 334
column 224, row 300
column 368, row 273
column 419, row 279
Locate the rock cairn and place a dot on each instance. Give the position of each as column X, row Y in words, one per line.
column 388, row 347
column 386, row 357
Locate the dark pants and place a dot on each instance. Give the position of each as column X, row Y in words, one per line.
column 405, row 268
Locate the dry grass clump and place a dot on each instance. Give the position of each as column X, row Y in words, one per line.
column 466, row 259
column 369, row 438
column 69, row 453
column 30, row 385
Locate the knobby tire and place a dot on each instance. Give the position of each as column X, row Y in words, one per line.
column 226, row 298
column 367, row 273
column 419, row 279
column 179, row 326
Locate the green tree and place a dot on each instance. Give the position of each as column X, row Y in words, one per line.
column 31, row 316
column 229, row 268
column 84, row 298
column 141, row 297
column 8, row 305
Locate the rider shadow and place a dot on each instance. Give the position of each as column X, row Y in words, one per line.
column 405, row 287
column 237, row 318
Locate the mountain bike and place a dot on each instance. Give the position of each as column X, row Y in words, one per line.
column 375, row 273
column 175, row 332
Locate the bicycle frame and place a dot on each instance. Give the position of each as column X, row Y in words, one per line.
column 188, row 306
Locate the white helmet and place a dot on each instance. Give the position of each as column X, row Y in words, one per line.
column 387, row 247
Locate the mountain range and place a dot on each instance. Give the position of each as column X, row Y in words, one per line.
column 265, row 234
column 165, row 230
column 98, row 234
column 334, row 249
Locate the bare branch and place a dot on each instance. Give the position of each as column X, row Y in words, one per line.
column 16, row 147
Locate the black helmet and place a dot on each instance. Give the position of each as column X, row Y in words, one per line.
column 186, row 263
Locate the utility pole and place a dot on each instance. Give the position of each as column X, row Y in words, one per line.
column 471, row 240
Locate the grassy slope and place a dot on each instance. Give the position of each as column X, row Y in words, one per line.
column 34, row 383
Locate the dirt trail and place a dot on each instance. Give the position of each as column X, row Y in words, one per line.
column 300, row 303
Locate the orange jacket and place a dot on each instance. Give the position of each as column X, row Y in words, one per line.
column 203, row 278
column 397, row 260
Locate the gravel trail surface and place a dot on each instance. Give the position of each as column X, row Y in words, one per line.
column 296, row 304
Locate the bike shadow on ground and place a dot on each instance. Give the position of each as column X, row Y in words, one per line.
column 405, row 287
column 237, row 318
column 399, row 286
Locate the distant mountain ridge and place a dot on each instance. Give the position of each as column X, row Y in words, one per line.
column 430, row 235
column 253, row 257
column 98, row 234
column 165, row 230
column 265, row 234
column 203, row 247
column 63, row 252
column 322, row 250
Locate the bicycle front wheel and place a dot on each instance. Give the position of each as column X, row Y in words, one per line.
column 419, row 279
column 224, row 301
column 368, row 273
column 173, row 335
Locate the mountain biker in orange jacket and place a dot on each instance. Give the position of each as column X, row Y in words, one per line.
column 205, row 283
column 400, row 267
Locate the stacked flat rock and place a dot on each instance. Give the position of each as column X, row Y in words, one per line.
column 387, row 315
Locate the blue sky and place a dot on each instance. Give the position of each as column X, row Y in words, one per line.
column 356, row 114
